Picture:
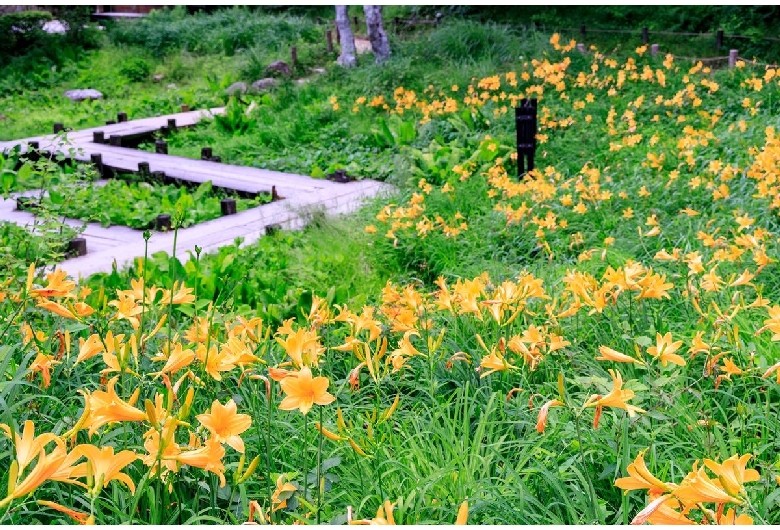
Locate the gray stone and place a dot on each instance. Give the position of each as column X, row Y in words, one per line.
column 172, row 86
column 235, row 88
column 279, row 67
column 264, row 84
column 82, row 94
column 157, row 78
column 318, row 70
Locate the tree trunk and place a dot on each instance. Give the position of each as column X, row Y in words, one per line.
column 376, row 33
column 346, row 38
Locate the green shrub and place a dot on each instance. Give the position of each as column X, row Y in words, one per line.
column 136, row 69
column 22, row 31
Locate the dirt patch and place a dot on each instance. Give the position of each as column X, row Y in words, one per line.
column 362, row 45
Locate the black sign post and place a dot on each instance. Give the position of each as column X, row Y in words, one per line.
column 525, row 121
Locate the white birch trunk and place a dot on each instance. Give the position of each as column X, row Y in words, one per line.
column 376, row 33
column 347, row 58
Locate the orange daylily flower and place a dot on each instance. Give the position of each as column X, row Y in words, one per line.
column 732, row 473
column 541, row 420
column 303, row 392
column 384, row 516
column 641, row 478
column 106, row 407
column 608, row 354
column 79, row 517
column 665, row 348
column 28, row 446
column 208, row 458
column 89, row 348
column 284, row 490
column 103, row 466
column 697, row 487
column 44, row 468
column 617, row 398
column 57, row 285
column 180, row 294
column 225, row 425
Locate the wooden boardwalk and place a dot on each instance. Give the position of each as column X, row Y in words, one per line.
column 117, row 245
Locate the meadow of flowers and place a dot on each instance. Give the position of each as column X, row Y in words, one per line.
column 593, row 342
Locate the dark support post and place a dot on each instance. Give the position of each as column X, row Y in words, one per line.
column 161, row 147
column 172, row 124
column 228, row 206
column 329, row 40
column 97, row 161
column 525, row 122
column 77, row 246
column 121, row 117
column 205, row 153
column 582, row 32
column 58, row 127
column 185, row 108
column 274, row 195
column 719, row 40
column 645, row 37
column 272, row 229
column 159, row 177
column 143, row 169
column 32, row 151
column 733, row 55
column 98, row 137
column 164, row 130
column 293, row 55
column 115, row 140
column 163, row 222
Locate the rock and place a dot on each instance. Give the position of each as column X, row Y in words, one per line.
column 302, row 81
column 279, row 67
column 82, row 94
column 318, row 70
column 172, row 86
column 157, row 78
column 235, row 88
column 264, row 84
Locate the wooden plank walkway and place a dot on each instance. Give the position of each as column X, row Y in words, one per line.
column 121, row 245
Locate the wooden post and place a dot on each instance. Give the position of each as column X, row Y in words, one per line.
column 58, row 127
column 77, row 246
column 653, row 49
column 294, row 55
column 143, row 170
column 228, row 206
column 274, row 195
column 172, row 124
column 97, row 161
column 582, row 32
column 32, row 151
column 115, row 140
column 161, row 147
column 525, row 122
column 163, row 222
column 732, row 58
column 719, row 40
column 121, row 117
column 329, row 40
column 645, row 33
column 581, row 47
column 272, row 229
column 205, row 153
column 164, row 130
column 185, row 108
column 110, row 122
column 98, row 137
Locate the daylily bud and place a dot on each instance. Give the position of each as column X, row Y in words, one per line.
column 328, row 434
column 134, row 397
column 340, row 420
column 239, row 468
column 251, row 469
column 151, row 414
column 185, row 409
column 389, row 412
column 358, row 449
column 13, row 474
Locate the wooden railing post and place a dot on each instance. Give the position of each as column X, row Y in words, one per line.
column 645, row 35
column 525, row 122
column 732, row 58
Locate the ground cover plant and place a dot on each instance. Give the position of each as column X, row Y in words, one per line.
column 592, row 342
column 138, row 203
